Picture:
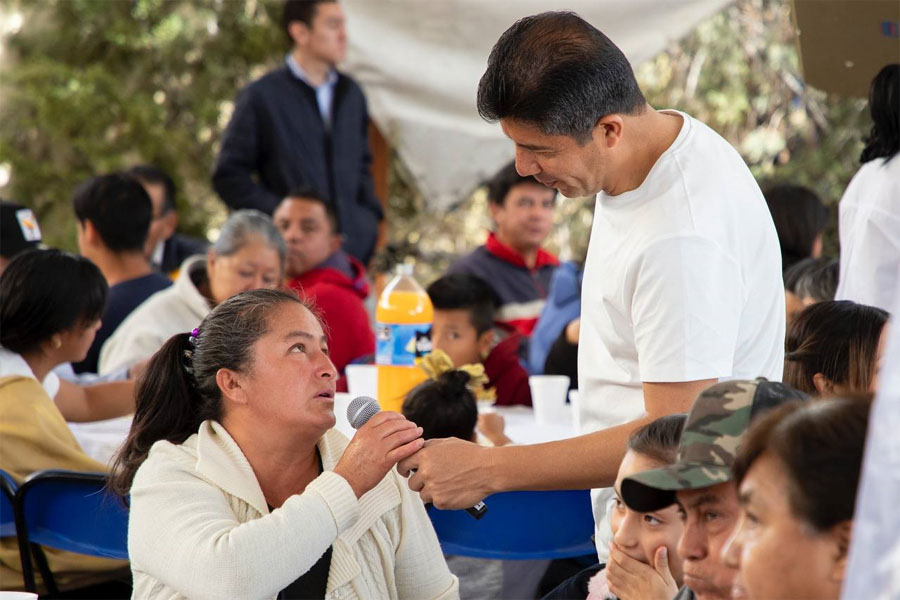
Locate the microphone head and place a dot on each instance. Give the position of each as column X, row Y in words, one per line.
column 361, row 409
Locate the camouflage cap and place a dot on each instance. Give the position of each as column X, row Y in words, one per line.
column 709, row 442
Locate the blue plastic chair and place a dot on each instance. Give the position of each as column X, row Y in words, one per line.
column 7, row 505
column 71, row 511
column 520, row 526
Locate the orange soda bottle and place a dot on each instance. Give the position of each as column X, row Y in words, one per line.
column 403, row 319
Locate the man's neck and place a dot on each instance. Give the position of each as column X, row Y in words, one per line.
column 316, row 70
column 117, row 268
column 650, row 134
column 529, row 255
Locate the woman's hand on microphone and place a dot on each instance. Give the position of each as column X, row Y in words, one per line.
column 377, row 446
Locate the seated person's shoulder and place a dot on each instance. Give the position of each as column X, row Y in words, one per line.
column 168, row 462
column 471, row 262
column 21, row 395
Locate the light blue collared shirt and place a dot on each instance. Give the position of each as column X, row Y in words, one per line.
column 324, row 92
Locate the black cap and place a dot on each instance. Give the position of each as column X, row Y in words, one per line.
column 19, row 229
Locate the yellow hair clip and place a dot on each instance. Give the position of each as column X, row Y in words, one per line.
column 437, row 363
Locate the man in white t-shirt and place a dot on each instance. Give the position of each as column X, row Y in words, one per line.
column 682, row 285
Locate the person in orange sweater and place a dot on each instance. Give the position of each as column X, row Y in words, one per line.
column 327, row 276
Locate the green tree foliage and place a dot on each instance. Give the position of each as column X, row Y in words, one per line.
column 91, row 86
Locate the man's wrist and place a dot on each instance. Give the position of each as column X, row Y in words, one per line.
column 496, row 473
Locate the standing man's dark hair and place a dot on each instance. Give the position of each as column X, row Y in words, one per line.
column 558, row 72
column 299, row 10
column 884, row 105
column 118, row 208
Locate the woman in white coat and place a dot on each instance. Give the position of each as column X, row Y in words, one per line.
column 249, row 254
column 241, row 488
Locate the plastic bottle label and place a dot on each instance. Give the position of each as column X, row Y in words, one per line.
column 401, row 345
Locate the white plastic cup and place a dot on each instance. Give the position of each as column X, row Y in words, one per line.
column 362, row 380
column 548, row 398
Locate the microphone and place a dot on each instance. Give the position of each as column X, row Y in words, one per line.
column 363, row 408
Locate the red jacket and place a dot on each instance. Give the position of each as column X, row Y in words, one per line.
column 506, row 374
column 340, row 302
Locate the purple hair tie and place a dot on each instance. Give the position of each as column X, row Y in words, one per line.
column 195, row 332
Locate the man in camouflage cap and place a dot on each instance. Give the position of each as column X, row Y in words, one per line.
column 700, row 481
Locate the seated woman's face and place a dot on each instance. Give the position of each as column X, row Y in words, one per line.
column 256, row 265
column 640, row 534
column 779, row 555
column 291, row 381
column 77, row 341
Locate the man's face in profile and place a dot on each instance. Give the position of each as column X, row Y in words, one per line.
column 710, row 515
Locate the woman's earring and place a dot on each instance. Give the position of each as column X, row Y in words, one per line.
column 57, row 343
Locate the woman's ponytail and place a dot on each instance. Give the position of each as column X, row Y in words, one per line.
column 167, row 407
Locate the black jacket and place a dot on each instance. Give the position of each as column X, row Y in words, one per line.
column 178, row 248
column 277, row 134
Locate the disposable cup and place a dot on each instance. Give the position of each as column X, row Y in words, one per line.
column 548, row 398
column 362, row 380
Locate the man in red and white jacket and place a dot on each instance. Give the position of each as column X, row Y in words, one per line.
column 512, row 261
column 325, row 275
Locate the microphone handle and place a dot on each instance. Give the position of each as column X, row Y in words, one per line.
column 477, row 511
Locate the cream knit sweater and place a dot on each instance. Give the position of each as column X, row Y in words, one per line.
column 200, row 528
column 176, row 309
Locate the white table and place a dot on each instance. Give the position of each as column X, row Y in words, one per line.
column 102, row 439
column 521, row 426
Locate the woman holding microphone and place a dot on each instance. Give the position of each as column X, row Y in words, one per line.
column 241, row 488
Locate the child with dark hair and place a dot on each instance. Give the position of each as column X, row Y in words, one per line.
column 445, row 405
column 464, row 310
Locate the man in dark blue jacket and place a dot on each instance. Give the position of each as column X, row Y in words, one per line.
column 304, row 124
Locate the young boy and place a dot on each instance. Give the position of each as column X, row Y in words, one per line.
column 464, row 310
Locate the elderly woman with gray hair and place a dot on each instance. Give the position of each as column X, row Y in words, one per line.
column 248, row 255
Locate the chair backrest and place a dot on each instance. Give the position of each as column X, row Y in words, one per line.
column 72, row 511
column 520, row 525
column 7, row 505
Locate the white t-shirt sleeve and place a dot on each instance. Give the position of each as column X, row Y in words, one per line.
column 686, row 310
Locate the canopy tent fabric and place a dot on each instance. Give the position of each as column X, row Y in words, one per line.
column 420, row 62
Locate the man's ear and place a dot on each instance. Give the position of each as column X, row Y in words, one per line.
column 229, row 383
column 89, row 233
column 841, row 535
column 608, row 130
column 334, row 244
column 494, row 209
column 824, row 386
column 170, row 219
column 299, row 33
